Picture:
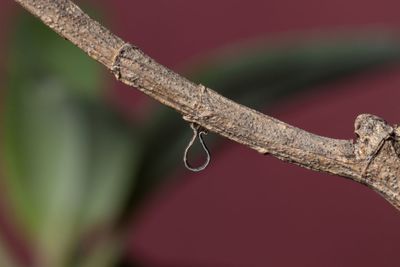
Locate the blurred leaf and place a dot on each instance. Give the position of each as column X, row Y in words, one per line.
column 276, row 71
column 114, row 153
column 37, row 52
column 260, row 76
column 69, row 158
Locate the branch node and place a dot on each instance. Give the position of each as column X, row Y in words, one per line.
column 372, row 133
column 116, row 65
column 200, row 113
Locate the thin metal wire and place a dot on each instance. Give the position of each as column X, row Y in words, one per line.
column 197, row 133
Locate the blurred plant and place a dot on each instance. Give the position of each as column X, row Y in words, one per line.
column 69, row 157
column 74, row 167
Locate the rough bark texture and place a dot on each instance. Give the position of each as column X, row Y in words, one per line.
column 372, row 159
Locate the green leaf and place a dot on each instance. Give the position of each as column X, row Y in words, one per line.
column 36, row 52
column 114, row 153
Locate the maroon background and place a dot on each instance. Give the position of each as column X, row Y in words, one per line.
column 248, row 209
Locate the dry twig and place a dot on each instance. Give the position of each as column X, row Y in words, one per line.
column 372, row 159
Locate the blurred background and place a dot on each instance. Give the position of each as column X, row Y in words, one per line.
column 91, row 170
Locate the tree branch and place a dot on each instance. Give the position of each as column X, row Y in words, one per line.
column 372, row 159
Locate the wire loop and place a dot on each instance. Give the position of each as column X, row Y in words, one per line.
column 198, row 132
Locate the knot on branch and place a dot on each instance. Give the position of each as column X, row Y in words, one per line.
column 124, row 53
column 377, row 149
column 371, row 132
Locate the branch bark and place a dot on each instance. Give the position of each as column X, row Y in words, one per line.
column 372, row 159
